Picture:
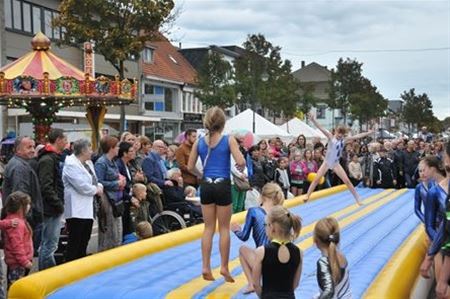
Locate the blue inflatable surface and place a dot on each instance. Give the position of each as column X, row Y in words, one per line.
column 368, row 242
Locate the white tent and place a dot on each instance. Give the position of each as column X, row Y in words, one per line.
column 296, row 127
column 264, row 129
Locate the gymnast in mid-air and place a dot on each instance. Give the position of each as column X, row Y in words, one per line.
column 335, row 148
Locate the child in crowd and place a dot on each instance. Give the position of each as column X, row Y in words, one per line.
column 332, row 267
column 271, row 195
column 308, row 166
column 190, row 191
column 278, row 263
column 144, row 230
column 18, row 240
column 355, row 170
column 336, row 144
column 297, row 174
column 383, row 172
column 139, row 205
column 282, row 175
column 270, row 167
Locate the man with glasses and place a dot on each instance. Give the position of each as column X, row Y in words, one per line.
column 153, row 165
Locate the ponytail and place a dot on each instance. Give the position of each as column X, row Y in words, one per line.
column 334, row 263
column 326, row 234
column 289, row 224
column 296, row 224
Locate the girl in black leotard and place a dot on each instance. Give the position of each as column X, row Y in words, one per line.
column 279, row 263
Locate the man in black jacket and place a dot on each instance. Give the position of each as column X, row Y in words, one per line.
column 52, row 190
column 20, row 176
column 411, row 162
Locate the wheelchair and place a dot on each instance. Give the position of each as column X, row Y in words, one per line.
column 169, row 216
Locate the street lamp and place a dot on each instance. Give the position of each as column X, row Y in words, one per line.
column 264, row 78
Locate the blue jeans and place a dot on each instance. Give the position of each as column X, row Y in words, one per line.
column 51, row 229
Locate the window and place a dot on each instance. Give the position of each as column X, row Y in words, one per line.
column 148, row 89
column 56, row 30
column 183, row 104
column 8, row 13
column 26, row 17
column 17, row 15
column 37, row 19
column 168, row 103
column 30, row 18
column 48, row 23
column 159, row 90
column 148, row 55
column 173, row 59
column 159, row 106
column 149, row 106
column 321, row 112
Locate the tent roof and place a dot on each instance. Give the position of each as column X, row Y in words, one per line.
column 263, row 127
column 296, row 127
column 41, row 60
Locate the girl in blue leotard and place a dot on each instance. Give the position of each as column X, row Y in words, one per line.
column 434, row 225
column 431, row 170
column 271, row 195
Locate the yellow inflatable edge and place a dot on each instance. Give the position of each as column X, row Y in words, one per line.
column 399, row 275
column 43, row 283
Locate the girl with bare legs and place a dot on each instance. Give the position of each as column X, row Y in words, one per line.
column 271, row 195
column 336, row 145
column 215, row 189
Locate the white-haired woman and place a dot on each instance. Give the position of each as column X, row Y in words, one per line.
column 80, row 187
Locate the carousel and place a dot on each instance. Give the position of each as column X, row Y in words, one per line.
column 42, row 83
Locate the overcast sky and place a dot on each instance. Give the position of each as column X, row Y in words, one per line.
column 324, row 31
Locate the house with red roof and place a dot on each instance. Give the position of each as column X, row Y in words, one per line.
column 168, row 82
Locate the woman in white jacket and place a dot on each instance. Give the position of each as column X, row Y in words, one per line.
column 80, row 186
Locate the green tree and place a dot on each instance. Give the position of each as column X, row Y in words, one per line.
column 345, row 83
column 307, row 99
column 417, row 109
column 446, row 123
column 119, row 28
column 367, row 103
column 264, row 79
column 251, row 69
column 214, row 82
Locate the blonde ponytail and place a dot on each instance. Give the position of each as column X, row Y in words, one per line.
column 334, row 262
column 326, row 233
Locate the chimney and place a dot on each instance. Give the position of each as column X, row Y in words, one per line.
column 303, row 63
column 179, row 45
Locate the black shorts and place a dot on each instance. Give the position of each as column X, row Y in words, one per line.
column 216, row 193
column 297, row 185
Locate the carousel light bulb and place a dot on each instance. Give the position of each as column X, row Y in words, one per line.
column 43, row 104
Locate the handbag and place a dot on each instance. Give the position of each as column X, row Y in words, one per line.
column 240, row 183
column 118, row 206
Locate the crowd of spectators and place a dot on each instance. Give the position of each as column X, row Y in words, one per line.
column 129, row 180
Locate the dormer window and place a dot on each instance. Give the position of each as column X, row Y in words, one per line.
column 147, row 55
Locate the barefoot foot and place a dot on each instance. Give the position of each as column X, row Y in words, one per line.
column 208, row 276
column 226, row 275
column 248, row 290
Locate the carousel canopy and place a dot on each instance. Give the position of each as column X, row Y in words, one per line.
column 41, row 76
column 41, row 60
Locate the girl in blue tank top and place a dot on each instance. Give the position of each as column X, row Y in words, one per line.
column 215, row 188
column 271, row 195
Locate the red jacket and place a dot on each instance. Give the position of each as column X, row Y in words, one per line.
column 18, row 243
